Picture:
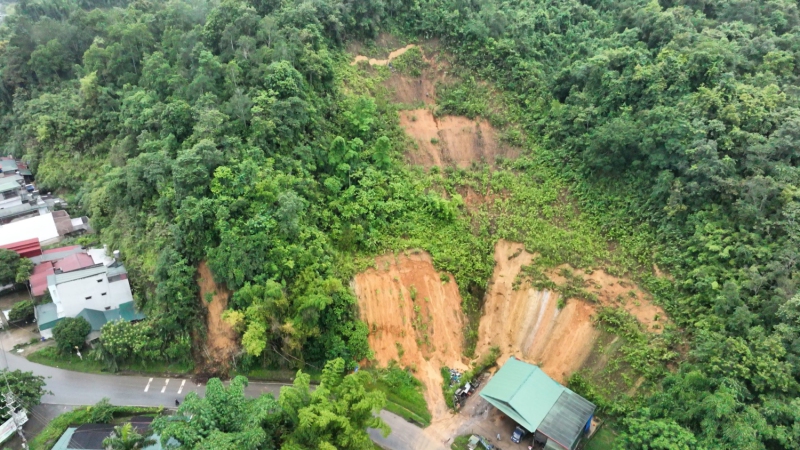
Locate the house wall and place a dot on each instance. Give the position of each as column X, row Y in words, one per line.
column 71, row 297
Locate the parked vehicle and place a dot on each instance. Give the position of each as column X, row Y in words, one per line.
column 518, row 434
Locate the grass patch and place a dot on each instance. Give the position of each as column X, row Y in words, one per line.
column 403, row 394
column 53, row 431
column 49, row 356
column 460, row 442
column 603, row 439
column 279, row 375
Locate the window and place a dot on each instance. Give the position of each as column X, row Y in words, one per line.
column 104, row 293
column 107, row 308
column 89, row 297
column 100, row 280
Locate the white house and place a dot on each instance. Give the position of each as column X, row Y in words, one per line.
column 99, row 291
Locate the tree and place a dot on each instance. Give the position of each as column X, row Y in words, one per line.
column 26, row 386
column 9, row 266
column 24, row 269
column 21, row 311
column 336, row 414
column 71, row 332
column 125, row 437
column 645, row 433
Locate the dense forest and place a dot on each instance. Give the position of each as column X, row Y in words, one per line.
column 193, row 130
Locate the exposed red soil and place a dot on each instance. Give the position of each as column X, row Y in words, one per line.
column 221, row 343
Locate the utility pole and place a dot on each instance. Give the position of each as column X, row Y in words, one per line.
column 12, row 409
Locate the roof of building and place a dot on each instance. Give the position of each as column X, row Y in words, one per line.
column 47, row 315
column 27, row 248
column 9, row 184
column 74, row 262
column 97, row 318
column 118, row 269
column 537, row 402
column 17, row 210
column 8, row 165
column 91, row 436
column 42, row 227
column 62, row 249
column 25, row 172
column 86, row 272
column 39, row 276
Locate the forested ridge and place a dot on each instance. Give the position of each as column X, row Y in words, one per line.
column 220, row 131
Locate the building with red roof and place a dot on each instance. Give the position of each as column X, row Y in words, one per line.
column 27, row 248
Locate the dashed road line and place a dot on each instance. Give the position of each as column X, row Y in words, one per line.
column 181, row 388
column 147, row 388
column 165, row 386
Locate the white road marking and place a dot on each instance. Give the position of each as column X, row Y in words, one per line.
column 181, row 388
column 165, row 386
column 147, row 388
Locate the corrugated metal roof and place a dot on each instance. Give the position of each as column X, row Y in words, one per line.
column 39, row 276
column 28, row 248
column 116, row 270
column 537, row 402
column 47, row 315
column 17, row 210
column 74, row 262
column 63, row 441
column 9, row 165
column 128, row 312
column 95, row 318
column 76, row 275
column 523, row 392
column 566, row 420
column 9, row 185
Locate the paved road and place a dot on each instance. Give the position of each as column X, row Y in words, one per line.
column 76, row 388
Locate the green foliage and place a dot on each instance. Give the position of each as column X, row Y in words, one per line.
column 70, row 333
column 9, row 266
column 654, row 434
column 411, row 62
column 24, row 269
column 125, row 437
column 478, row 368
column 403, row 392
column 27, row 388
column 22, row 311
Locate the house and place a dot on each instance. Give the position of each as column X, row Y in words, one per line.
column 85, row 283
column 558, row 417
column 90, row 436
column 47, row 227
column 28, row 248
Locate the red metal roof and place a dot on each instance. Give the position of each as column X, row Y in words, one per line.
column 27, row 248
column 39, row 278
column 60, row 249
column 74, row 262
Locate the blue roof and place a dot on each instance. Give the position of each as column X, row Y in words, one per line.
column 47, row 315
column 63, row 442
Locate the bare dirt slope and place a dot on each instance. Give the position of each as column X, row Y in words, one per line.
column 220, row 342
column 451, row 140
column 527, row 323
column 414, row 318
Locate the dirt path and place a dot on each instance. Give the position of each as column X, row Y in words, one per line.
column 221, row 341
column 414, row 317
column 382, row 62
column 527, row 323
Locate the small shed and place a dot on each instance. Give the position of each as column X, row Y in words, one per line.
column 539, row 404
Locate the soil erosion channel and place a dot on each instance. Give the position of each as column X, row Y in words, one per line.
column 414, row 317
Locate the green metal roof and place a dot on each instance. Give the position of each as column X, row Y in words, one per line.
column 17, row 210
column 8, row 165
column 537, row 402
column 25, row 172
column 9, row 185
column 128, row 312
column 47, row 315
column 63, row 442
column 523, row 392
column 116, row 270
column 97, row 319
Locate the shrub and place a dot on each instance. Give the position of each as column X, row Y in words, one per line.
column 70, row 333
column 21, row 311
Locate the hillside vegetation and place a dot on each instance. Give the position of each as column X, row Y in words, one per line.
column 236, row 133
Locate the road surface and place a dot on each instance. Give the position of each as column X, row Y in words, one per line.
column 76, row 388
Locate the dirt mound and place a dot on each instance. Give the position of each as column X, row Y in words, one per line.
column 382, row 62
column 220, row 343
column 414, row 317
column 451, row 140
column 528, row 324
